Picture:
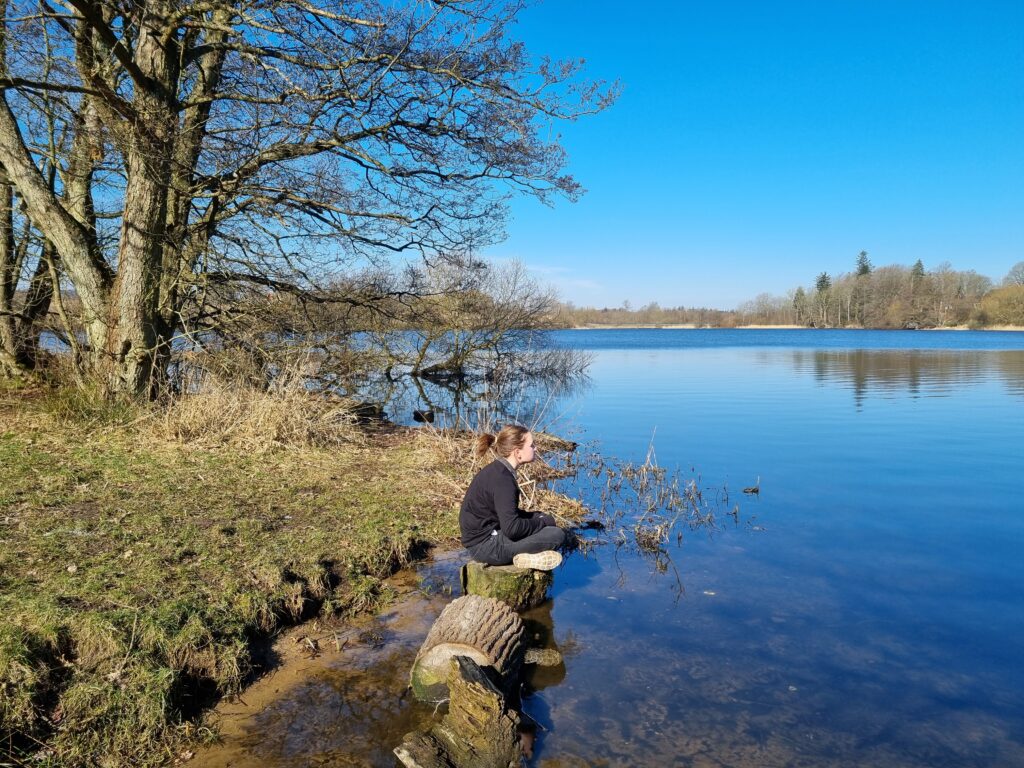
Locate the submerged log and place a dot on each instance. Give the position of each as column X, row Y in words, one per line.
column 421, row 750
column 545, row 441
column 518, row 588
column 481, row 628
column 479, row 730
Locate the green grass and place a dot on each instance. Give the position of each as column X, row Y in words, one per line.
column 135, row 572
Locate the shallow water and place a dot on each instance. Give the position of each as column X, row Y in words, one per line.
column 865, row 609
column 346, row 705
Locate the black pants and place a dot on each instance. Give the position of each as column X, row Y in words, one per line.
column 500, row 549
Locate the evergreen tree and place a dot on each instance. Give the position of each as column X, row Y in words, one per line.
column 861, row 288
column 823, row 284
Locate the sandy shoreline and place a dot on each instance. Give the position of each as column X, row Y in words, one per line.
column 987, row 328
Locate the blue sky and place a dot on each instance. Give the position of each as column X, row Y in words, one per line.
column 757, row 144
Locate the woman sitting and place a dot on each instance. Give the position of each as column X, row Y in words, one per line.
column 494, row 529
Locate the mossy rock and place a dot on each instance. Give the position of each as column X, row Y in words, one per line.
column 518, row 588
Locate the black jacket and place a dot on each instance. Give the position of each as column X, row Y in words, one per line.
column 492, row 502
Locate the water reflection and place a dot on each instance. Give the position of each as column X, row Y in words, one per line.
column 870, row 622
column 917, row 373
column 519, row 395
column 539, row 633
column 539, row 626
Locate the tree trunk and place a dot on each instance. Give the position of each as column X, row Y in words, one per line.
column 485, row 630
column 18, row 326
column 37, row 305
column 130, row 352
column 479, row 730
column 180, row 250
column 130, row 355
column 89, row 273
column 9, row 271
column 518, row 588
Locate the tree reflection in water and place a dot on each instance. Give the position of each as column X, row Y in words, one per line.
column 524, row 387
column 916, row 372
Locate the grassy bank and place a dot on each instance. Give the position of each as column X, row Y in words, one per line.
column 137, row 570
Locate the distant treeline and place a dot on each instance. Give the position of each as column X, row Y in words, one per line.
column 885, row 297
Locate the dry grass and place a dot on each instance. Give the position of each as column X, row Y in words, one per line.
column 143, row 550
column 135, row 572
column 224, row 413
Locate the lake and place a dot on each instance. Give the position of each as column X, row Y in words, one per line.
column 866, row 608
column 873, row 614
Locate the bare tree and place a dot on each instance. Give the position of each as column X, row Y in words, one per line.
column 1016, row 275
column 268, row 143
column 24, row 261
column 466, row 322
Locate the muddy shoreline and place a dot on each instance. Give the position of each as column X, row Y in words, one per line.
column 357, row 670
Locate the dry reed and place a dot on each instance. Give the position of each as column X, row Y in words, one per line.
column 219, row 412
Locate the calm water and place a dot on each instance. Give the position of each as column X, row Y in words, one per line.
column 876, row 619
column 866, row 610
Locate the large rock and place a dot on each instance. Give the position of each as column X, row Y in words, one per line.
column 518, row 588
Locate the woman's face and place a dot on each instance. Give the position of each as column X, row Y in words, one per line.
column 527, row 452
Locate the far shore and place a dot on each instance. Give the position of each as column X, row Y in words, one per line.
column 986, row 328
column 694, row 326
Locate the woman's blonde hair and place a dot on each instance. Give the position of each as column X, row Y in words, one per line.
column 510, row 437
